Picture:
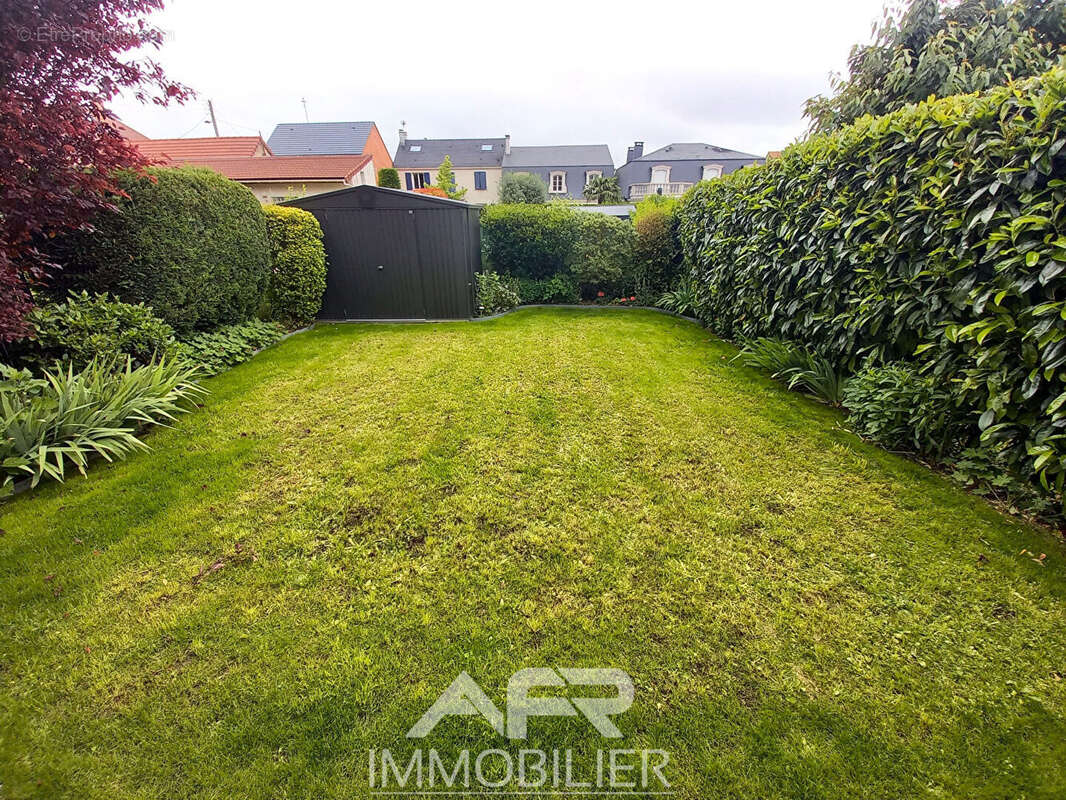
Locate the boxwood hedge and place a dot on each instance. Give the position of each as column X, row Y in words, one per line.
column 935, row 234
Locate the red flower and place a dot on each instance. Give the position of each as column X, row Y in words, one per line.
column 622, row 300
column 634, row 297
column 599, row 294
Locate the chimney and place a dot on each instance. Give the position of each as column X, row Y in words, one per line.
column 638, row 150
column 507, row 145
column 403, row 133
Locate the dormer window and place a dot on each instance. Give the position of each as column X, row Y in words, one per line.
column 711, row 171
column 416, row 148
column 486, row 147
column 660, row 174
column 557, row 183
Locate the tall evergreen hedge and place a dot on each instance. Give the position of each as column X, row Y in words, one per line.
column 935, row 234
column 186, row 241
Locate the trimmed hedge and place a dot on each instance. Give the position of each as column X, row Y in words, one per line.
column 298, row 269
column 536, row 243
column 935, row 234
column 657, row 247
column 528, row 240
column 186, row 241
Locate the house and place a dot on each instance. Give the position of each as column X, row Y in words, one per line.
column 565, row 169
column 277, row 178
column 330, row 139
column 251, row 161
column 185, row 150
column 478, row 164
column 672, row 170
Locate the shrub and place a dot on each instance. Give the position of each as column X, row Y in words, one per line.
column 686, row 299
column 388, row 178
column 495, row 294
column 298, row 271
column 900, row 408
column 69, row 415
column 657, row 247
column 186, row 241
column 433, row 191
column 522, row 187
column 602, row 257
column 559, row 288
column 528, row 241
column 216, row 351
column 933, row 234
column 84, row 327
column 798, row 368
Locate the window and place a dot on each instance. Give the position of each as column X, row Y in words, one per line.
column 557, row 183
column 660, row 174
column 480, row 180
column 592, row 173
column 416, row 148
column 417, row 180
column 712, row 171
column 487, row 148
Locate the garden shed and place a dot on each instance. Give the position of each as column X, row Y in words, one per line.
column 396, row 255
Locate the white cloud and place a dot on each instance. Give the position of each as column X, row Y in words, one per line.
column 553, row 72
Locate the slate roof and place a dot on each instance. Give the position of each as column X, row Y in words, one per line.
column 206, row 147
column 464, row 152
column 319, row 138
column 564, row 155
column 285, row 168
column 693, row 151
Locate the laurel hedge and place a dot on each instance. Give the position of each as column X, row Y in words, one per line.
column 934, row 235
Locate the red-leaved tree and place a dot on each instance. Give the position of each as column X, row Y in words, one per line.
column 61, row 63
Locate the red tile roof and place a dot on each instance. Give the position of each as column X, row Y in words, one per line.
column 285, row 168
column 207, row 147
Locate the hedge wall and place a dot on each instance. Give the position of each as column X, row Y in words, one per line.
column 298, row 269
column 936, row 234
column 186, row 241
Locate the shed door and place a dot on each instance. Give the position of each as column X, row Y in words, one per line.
column 373, row 265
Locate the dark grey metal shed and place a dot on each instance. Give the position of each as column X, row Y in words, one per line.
column 396, row 255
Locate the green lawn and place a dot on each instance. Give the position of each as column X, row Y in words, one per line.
column 296, row 572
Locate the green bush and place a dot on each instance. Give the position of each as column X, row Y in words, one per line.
column 799, row 368
column 657, row 248
column 68, row 416
column 902, row 409
column 528, row 241
column 522, row 187
column 602, row 257
column 494, row 293
column 298, row 267
column 388, row 178
column 216, row 351
column 934, row 234
column 186, row 241
column 559, row 288
column 84, row 327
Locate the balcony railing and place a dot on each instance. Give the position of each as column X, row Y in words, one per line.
column 638, row 191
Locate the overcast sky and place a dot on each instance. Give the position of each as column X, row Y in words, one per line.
column 733, row 74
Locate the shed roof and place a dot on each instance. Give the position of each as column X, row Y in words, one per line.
column 285, row 168
column 205, row 147
column 320, row 138
column 464, row 152
column 376, row 197
column 693, row 151
column 560, row 155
